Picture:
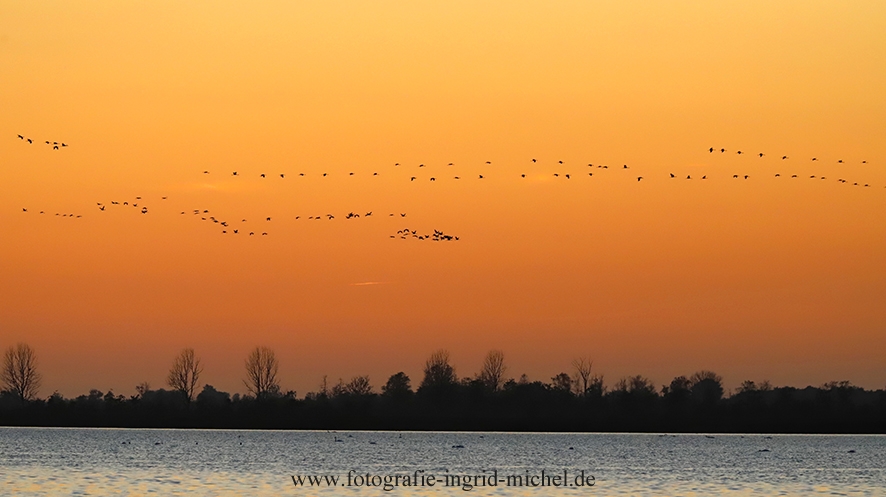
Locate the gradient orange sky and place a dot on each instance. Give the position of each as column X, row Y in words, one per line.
column 765, row 278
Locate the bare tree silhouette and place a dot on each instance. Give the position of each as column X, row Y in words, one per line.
column 707, row 386
column 19, row 373
column 359, row 385
column 582, row 378
column 438, row 372
column 184, row 373
column 261, row 373
column 493, row 371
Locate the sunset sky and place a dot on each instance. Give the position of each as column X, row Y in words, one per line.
column 769, row 277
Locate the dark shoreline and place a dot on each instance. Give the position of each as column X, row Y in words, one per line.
column 527, row 408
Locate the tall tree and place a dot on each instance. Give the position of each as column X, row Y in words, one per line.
column 707, row 386
column 438, row 372
column 19, row 373
column 493, row 371
column 398, row 386
column 184, row 373
column 261, row 373
column 582, row 381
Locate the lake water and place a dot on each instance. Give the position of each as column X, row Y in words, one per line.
column 40, row 461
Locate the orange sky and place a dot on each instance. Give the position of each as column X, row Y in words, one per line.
column 765, row 278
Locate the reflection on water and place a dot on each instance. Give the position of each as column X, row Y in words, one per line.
column 39, row 461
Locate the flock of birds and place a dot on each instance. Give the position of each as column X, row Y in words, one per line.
column 54, row 144
column 437, row 236
column 235, row 228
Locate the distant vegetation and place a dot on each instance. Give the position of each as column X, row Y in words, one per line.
column 571, row 401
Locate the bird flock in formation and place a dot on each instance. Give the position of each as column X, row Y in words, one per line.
column 227, row 227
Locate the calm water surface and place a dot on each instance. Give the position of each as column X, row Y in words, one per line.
column 39, row 461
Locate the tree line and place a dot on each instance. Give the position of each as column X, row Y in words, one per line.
column 577, row 400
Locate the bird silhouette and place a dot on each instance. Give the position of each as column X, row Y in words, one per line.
column 761, row 154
